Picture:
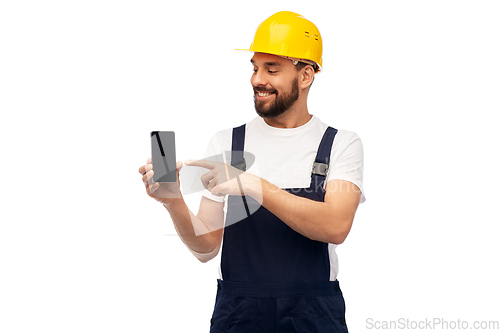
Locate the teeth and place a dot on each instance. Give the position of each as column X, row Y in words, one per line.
column 261, row 94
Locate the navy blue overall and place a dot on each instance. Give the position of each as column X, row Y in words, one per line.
column 275, row 279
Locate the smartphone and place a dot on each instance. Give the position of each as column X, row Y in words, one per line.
column 163, row 155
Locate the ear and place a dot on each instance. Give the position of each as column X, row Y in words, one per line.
column 306, row 77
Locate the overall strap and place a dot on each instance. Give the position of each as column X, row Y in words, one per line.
column 237, row 159
column 237, row 148
column 322, row 162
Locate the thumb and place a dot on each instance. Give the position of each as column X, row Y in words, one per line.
column 178, row 165
column 217, row 191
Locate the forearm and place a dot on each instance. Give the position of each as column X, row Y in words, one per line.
column 328, row 221
column 193, row 232
column 313, row 219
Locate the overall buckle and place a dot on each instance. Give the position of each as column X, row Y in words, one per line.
column 320, row 169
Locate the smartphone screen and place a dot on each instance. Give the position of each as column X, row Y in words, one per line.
column 163, row 155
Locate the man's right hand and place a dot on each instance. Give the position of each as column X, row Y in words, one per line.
column 166, row 193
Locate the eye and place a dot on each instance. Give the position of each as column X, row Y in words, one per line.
column 272, row 72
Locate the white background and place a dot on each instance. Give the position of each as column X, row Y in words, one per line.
column 84, row 249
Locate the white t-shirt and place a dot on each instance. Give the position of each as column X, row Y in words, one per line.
column 284, row 157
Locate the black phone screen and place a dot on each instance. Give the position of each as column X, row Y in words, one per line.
column 163, row 155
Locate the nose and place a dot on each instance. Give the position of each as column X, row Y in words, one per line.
column 258, row 78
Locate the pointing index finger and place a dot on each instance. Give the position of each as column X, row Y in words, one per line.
column 201, row 163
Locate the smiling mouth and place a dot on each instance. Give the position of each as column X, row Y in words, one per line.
column 262, row 95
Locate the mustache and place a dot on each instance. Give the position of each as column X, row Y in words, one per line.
column 264, row 90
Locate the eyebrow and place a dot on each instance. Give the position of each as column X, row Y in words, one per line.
column 269, row 63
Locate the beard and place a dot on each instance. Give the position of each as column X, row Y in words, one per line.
column 281, row 103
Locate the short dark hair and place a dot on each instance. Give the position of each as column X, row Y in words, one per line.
column 301, row 65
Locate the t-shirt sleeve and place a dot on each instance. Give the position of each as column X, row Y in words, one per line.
column 346, row 160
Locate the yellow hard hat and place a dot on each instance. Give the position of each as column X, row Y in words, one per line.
column 289, row 35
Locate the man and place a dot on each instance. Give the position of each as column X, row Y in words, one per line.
column 278, row 261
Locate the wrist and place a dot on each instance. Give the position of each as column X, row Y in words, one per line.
column 174, row 204
column 256, row 188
